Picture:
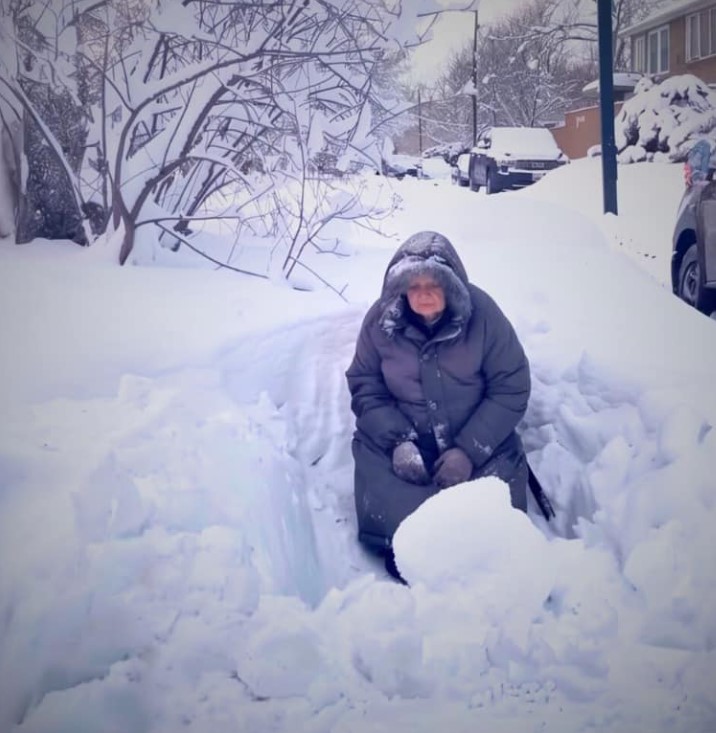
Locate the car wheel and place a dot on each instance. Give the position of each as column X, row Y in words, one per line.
column 492, row 185
column 690, row 286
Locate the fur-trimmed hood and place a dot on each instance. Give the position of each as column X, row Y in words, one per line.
column 424, row 253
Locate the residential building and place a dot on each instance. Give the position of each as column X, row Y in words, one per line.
column 678, row 38
column 581, row 129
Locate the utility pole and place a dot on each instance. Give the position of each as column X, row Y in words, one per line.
column 420, row 124
column 474, row 80
column 606, row 106
column 474, row 61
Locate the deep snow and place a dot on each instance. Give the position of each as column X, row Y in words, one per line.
column 176, row 525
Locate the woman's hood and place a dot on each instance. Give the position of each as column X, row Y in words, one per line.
column 424, row 253
column 422, row 246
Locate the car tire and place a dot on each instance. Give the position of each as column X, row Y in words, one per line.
column 492, row 185
column 690, row 283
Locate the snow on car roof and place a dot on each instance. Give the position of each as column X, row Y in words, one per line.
column 523, row 141
column 519, row 137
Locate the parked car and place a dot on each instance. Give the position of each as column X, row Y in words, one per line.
column 398, row 166
column 513, row 157
column 693, row 256
column 461, row 170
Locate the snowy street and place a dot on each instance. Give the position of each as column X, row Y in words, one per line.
column 177, row 530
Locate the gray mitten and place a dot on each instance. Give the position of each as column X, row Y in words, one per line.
column 408, row 463
column 452, row 467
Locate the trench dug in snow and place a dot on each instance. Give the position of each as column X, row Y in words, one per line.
column 580, row 432
column 244, row 468
column 193, row 492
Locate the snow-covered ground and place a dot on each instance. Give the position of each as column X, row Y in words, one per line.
column 177, row 543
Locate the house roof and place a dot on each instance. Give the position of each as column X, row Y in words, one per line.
column 623, row 81
column 667, row 11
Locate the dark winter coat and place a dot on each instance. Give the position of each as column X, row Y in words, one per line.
column 466, row 385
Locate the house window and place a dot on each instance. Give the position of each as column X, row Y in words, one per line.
column 639, row 57
column 693, row 47
column 664, row 49
column 657, row 51
column 704, row 34
column 701, row 34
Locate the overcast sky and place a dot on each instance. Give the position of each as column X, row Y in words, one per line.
column 452, row 31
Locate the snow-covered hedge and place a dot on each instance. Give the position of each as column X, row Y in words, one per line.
column 664, row 120
column 447, row 151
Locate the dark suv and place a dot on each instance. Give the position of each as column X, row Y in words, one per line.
column 693, row 258
column 513, row 157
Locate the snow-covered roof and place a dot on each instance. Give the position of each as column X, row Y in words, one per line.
column 665, row 13
column 622, row 80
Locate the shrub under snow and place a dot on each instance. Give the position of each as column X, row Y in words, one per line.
column 663, row 121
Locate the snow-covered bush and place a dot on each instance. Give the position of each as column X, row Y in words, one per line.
column 447, row 151
column 9, row 182
column 664, row 120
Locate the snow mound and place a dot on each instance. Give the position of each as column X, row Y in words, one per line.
column 470, row 531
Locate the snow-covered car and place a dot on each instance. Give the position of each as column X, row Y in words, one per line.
column 693, row 256
column 461, row 170
column 513, row 157
column 399, row 166
column 434, row 167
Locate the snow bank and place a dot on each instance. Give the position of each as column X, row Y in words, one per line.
column 655, row 187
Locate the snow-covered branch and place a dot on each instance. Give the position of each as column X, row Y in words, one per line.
column 190, row 103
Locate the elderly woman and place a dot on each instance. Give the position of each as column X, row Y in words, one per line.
column 438, row 382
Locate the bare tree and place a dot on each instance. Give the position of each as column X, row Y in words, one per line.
column 531, row 67
column 576, row 21
column 524, row 77
column 186, row 104
column 527, row 77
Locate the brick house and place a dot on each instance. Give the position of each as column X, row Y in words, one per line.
column 678, row 38
column 581, row 128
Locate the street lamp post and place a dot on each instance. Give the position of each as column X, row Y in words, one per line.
column 420, row 123
column 474, row 59
column 474, row 79
column 606, row 105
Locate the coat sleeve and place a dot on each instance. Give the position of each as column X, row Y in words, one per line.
column 377, row 413
column 507, row 377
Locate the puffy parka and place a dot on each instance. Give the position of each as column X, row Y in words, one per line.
column 466, row 384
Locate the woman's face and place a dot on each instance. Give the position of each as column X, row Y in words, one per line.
column 426, row 297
